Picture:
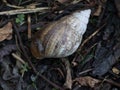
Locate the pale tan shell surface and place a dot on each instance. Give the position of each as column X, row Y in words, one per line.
column 61, row 38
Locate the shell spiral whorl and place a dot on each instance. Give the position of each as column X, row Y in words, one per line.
column 60, row 38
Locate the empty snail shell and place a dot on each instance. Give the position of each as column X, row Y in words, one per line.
column 60, row 38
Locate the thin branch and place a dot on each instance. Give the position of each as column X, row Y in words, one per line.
column 29, row 27
column 92, row 35
column 18, row 58
column 13, row 6
column 24, row 11
column 68, row 82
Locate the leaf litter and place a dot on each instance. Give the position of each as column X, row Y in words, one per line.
column 104, row 47
column 6, row 32
column 87, row 81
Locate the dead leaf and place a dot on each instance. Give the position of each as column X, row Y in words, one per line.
column 87, row 81
column 115, row 70
column 98, row 11
column 6, row 32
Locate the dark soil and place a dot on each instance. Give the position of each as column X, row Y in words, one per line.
column 97, row 57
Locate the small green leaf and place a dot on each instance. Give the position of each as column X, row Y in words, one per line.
column 17, row 20
column 24, row 68
column 20, row 19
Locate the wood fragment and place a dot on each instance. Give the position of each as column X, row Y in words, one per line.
column 68, row 82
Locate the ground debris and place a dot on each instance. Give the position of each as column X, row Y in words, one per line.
column 6, row 50
column 10, row 77
column 96, row 63
column 105, row 61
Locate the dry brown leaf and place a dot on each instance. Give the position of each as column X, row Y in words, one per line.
column 6, row 32
column 98, row 11
column 87, row 81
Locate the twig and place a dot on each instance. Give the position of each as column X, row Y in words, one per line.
column 30, row 63
column 109, row 81
column 24, row 11
column 68, row 82
column 92, row 35
column 13, row 6
column 112, row 82
column 60, row 71
column 86, row 71
column 29, row 27
column 101, row 16
column 18, row 58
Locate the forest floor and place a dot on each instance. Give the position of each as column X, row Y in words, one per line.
column 94, row 66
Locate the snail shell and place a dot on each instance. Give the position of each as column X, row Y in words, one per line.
column 60, row 38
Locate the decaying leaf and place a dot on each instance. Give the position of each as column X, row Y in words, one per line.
column 10, row 78
column 87, row 81
column 104, row 64
column 6, row 32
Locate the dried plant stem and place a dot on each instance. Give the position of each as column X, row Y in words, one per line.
column 92, row 35
column 18, row 58
column 29, row 27
column 24, row 11
column 101, row 79
column 112, row 82
column 68, row 82
column 13, row 6
column 86, row 71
